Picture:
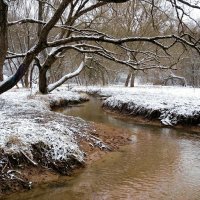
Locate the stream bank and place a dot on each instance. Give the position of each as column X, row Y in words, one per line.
column 70, row 141
column 38, row 145
column 29, row 176
column 171, row 106
column 193, row 129
column 159, row 163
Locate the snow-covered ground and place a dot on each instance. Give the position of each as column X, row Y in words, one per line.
column 172, row 105
column 26, row 119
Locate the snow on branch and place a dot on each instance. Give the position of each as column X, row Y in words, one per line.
column 14, row 55
column 26, row 20
column 51, row 87
column 114, row 1
column 86, row 48
column 156, row 40
column 189, row 4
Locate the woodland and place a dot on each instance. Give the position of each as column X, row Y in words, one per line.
column 48, row 42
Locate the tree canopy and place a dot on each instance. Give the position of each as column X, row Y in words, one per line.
column 138, row 34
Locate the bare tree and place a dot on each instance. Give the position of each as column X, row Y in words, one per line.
column 3, row 35
column 64, row 30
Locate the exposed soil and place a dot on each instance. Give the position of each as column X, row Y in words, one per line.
column 113, row 137
column 167, row 116
column 155, row 122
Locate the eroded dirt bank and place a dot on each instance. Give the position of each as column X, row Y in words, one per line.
column 33, row 139
column 22, row 174
column 140, row 119
column 111, row 136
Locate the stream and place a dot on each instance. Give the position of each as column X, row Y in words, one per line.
column 161, row 164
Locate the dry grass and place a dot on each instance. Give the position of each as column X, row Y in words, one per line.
column 13, row 140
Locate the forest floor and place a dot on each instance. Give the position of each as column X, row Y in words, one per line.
column 38, row 145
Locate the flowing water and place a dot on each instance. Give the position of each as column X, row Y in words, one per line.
column 161, row 164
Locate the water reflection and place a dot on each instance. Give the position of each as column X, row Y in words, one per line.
column 162, row 163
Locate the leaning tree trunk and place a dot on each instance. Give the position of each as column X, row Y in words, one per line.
column 35, row 50
column 53, row 86
column 3, row 35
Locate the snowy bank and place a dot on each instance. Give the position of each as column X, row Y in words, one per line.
column 27, row 120
column 172, row 105
column 31, row 134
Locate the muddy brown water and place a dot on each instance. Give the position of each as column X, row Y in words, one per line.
column 160, row 164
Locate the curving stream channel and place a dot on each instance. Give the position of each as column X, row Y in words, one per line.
column 162, row 163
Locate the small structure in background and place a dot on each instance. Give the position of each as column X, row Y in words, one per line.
column 173, row 80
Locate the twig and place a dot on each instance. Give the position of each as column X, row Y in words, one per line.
column 33, row 162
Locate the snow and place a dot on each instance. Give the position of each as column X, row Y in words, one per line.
column 26, row 119
column 52, row 86
column 175, row 104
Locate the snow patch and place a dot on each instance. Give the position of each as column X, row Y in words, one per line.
column 26, row 120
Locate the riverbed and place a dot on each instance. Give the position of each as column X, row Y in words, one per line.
column 161, row 163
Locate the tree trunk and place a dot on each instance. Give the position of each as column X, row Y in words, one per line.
column 103, row 78
column 132, row 79
column 35, row 50
column 3, row 35
column 43, row 81
column 26, row 79
column 31, row 76
column 13, row 80
column 128, row 79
